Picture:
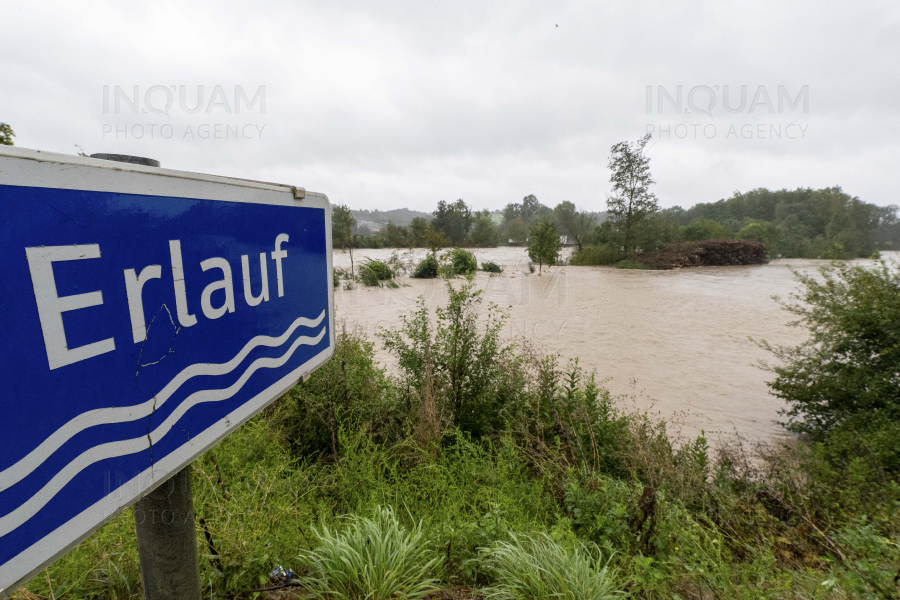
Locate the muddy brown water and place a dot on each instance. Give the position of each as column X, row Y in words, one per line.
column 676, row 343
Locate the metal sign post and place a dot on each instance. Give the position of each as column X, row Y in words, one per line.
column 146, row 313
column 167, row 541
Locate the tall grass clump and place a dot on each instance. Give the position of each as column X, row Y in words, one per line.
column 491, row 267
column 373, row 272
column 539, row 568
column 373, row 558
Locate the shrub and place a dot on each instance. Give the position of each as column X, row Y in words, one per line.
column 427, row 268
column 491, row 267
column 375, row 558
column 348, row 389
column 538, row 568
column 601, row 254
column 373, row 272
column 458, row 261
column 850, row 365
column 461, row 361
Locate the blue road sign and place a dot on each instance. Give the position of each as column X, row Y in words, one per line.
column 145, row 314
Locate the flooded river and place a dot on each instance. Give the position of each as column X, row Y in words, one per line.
column 673, row 342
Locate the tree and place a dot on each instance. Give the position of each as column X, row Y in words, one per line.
column 394, row 235
column 574, row 224
column 6, row 135
column 632, row 200
column 511, row 211
column 417, row 233
column 517, row 231
column 342, row 224
column 529, row 211
column 849, row 368
column 531, row 208
column 435, row 240
column 704, row 229
column 453, row 220
column 484, row 234
column 544, row 244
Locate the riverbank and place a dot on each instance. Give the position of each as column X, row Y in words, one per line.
column 476, row 448
column 674, row 342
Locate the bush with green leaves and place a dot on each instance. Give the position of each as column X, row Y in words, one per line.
column 540, row 568
column 347, row 390
column 491, row 267
column 461, row 361
column 373, row 558
column 850, row 365
column 599, row 254
column 427, row 268
column 458, row 261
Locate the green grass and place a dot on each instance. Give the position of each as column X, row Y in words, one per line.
column 539, row 568
column 374, row 558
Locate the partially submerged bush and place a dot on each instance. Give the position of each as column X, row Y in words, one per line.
column 850, row 365
column 601, row 254
column 539, row 568
column 373, row 272
column 375, row 559
column 491, row 267
column 458, row 261
column 427, row 268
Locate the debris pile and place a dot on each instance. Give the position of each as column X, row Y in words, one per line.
column 708, row 253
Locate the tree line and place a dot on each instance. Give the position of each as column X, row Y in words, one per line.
column 801, row 223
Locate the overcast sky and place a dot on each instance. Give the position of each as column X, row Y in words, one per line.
column 384, row 104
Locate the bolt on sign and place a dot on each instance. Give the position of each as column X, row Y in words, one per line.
column 146, row 314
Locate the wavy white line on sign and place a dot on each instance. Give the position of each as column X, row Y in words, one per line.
column 105, row 416
column 23, row 513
